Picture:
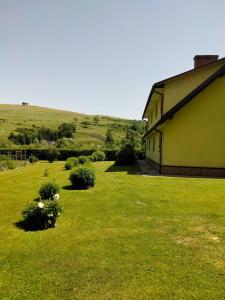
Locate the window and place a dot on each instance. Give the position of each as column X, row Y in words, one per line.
column 153, row 145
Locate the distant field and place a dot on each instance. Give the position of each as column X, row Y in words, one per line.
column 130, row 237
column 90, row 134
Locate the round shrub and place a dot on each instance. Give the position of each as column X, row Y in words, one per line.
column 37, row 216
column 82, row 177
column 52, row 154
column 48, row 190
column 70, row 163
column 98, row 156
column 83, row 160
column 32, row 159
column 126, row 156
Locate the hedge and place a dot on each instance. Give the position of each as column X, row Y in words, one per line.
column 41, row 154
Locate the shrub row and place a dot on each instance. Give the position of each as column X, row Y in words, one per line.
column 63, row 154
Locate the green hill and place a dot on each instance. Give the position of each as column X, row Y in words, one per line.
column 90, row 129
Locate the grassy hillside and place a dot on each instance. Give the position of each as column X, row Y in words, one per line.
column 89, row 131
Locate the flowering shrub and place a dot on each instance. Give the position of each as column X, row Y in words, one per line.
column 48, row 190
column 70, row 163
column 98, row 156
column 82, row 177
column 83, row 160
column 41, row 215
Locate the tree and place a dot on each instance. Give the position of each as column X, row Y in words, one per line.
column 67, row 130
column 109, row 138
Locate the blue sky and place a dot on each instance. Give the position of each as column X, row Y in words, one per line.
column 101, row 57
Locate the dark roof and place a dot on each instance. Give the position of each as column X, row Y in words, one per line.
column 188, row 98
column 160, row 84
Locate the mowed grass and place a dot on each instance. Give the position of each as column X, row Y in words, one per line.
column 130, row 237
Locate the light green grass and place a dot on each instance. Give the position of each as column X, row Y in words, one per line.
column 18, row 116
column 130, row 237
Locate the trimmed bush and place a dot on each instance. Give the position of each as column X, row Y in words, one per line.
column 71, row 162
column 98, row 156
column 83, row 160
column 48, row 190
column 82, row 177
column 39, row 216
column 32, row 159
column 52, row 154
column 126, row 156
column 6, row 163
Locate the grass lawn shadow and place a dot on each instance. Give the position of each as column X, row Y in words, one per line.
column 130, row 169
column 23, row 226
column 71, row 188
column 68, row 187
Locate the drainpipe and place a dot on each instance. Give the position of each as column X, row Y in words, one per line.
column 160, row 132
column 160, row 150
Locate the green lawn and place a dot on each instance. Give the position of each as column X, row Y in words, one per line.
column 130, row 237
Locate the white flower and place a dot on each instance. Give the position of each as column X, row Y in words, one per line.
column 56, row 197
column 41, row 204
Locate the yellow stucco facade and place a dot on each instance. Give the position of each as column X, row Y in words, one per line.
column 193, row 136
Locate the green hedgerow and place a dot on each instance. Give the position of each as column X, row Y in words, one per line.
column 39, row 216
column 82, row 177
column 83, row 160
column 48, row 190
column 71, row 162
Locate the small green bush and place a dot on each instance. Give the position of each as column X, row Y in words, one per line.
column 10, row 164
column 39, row 216
column 98, row 156
column 32, row 159
column 71, row 162
column 82, row 177
column 83, row 160
column 6, row 163
column 45, row 173
column 126, row 156
column 48, row 190
column 52, row 154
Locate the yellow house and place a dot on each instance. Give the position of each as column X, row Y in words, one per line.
column 186, row 121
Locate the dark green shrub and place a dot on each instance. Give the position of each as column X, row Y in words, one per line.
column 82, row 177
column 41, row 215
column 48, row 190
column 70, row 163
column 98, row 156
column 83, row 160
column 126, row 156
column 32, row 159
column 52, row 154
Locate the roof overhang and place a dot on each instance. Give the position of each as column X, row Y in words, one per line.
column 155, row 94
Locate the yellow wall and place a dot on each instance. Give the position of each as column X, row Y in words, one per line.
column 154, row 111
column 153, row 155
column 176, row 89
column 196, row 135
